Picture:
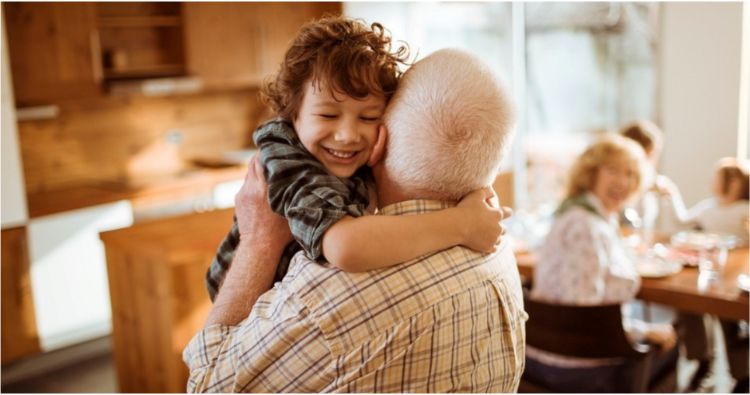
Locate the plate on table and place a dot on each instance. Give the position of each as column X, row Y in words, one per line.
column 695, row 240
column 658, row 268
column 743, row 282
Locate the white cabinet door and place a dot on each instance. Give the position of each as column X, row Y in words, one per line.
column 13, row 193
column 223, row 193
column 69, row 273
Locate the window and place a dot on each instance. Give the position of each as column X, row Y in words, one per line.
column 582, row 68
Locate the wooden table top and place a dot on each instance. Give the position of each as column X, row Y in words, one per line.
column 682, row 290
column 185, row 183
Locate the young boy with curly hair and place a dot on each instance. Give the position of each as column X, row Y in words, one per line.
column 329, row 95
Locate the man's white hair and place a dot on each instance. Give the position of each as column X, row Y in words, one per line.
column 449, row 124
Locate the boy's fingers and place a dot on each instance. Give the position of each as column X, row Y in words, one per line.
column 507, row 212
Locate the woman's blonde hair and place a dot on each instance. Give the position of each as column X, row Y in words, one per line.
column 608, row 150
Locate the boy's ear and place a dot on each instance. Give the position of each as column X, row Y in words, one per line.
column 379, row 148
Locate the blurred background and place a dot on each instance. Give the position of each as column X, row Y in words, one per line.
column 126, row 128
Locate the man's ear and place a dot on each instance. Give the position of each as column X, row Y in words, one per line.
column 379, row 148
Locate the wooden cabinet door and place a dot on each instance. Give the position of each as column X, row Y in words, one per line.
column 53, row 51
column 231, row 45
column 19, row 332
column 222, row 41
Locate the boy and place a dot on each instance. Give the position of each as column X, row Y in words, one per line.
column 330, row 95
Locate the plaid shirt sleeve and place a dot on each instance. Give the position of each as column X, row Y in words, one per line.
column 301, row 189
column 276, row 349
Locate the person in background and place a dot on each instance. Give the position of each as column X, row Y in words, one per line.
column 329, row 94
column 725, row 212
column 650, row 212
column 450, row 321
column 584, row 261
column 662, row 209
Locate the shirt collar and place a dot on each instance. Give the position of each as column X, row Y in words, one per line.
column 418, row 206
column 599, row 207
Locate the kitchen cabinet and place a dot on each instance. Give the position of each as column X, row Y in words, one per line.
column 140, row 40
column 159, row 301
column 63, row 51
column 68, row 273
column 53, row 51
column 19, row 333
column 232, row 45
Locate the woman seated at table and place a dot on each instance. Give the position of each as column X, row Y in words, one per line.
column 585, row 262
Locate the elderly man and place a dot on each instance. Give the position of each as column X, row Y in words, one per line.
column 447, row 322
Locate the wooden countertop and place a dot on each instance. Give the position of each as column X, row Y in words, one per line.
column 191, row 181
column 185, row 235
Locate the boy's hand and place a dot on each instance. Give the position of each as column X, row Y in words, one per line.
column 255, row 219
column 481, row 220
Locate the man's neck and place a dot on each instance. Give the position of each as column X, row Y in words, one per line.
column 389, row 192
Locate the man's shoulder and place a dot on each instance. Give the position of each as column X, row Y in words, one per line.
column 350, row 308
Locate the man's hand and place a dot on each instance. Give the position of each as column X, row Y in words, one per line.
column 263, row 236
column 255, row 219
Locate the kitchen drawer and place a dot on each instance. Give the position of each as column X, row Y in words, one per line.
column 68, row 273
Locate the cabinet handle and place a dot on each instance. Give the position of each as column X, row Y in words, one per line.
column 96, row 61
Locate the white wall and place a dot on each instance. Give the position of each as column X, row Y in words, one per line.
column 13, row 201
column 700, row 53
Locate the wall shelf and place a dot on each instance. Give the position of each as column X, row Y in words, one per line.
column 144, row 21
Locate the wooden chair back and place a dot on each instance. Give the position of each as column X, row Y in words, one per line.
column 579, row 331
column 503, row 186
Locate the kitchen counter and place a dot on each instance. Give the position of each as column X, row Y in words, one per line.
column 192, row 181
column 156, row 273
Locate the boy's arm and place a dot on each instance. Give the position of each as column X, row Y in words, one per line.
column 377, row 241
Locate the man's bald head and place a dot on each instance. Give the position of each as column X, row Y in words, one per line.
column 449, row 124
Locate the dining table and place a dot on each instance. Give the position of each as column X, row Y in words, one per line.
column 686, row 290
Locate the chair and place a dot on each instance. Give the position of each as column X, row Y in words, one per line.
column 503, row 186
column 591, row 332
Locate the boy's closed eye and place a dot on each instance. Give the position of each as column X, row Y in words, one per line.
column 328, row 116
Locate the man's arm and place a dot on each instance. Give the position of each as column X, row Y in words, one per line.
column 263, row 235
column 236, row 354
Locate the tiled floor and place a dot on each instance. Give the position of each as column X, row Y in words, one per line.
column 92, row 376
column 97, row 375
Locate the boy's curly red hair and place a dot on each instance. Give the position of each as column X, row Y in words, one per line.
column 344, row 54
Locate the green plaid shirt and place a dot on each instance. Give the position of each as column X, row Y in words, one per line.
column 301, row 189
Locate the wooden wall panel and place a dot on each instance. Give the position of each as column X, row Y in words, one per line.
column 19, row 332
column 249, row 38
column 52, row 51
column 118, row 139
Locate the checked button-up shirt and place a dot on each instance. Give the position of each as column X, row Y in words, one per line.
column 451, row 321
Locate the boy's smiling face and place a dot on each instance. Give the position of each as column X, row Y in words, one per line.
column 338, row 130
